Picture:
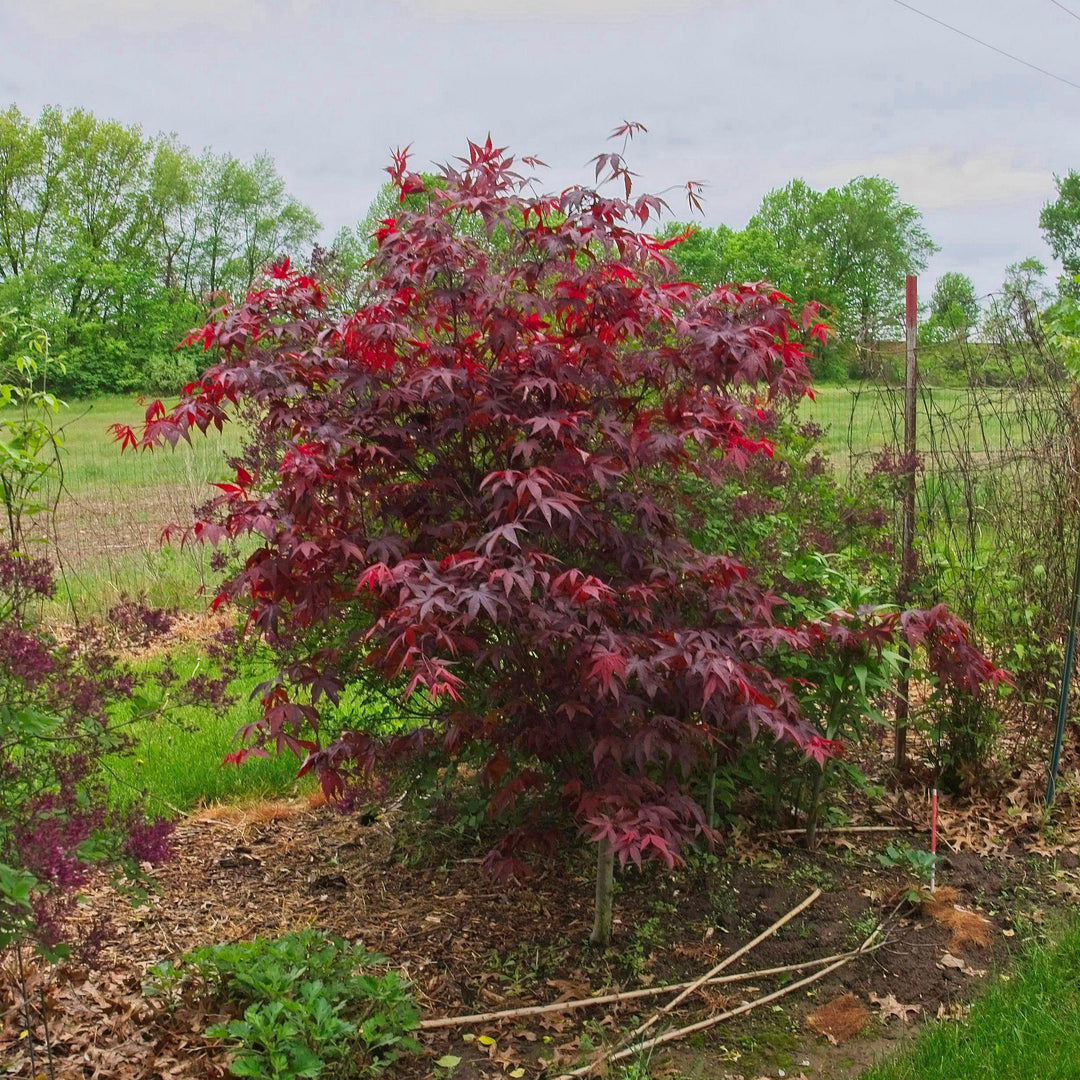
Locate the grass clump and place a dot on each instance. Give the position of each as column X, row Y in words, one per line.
column 175, row 761
column 310, row 1005
column 1027, row 1027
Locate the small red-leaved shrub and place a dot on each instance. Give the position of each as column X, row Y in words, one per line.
column 58, row 729
column 476, row 500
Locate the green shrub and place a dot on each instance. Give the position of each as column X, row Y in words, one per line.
column 164, row 371
column 821, row 548
column 311, row 1003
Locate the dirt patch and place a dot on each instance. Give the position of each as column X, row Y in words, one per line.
column 414, row 893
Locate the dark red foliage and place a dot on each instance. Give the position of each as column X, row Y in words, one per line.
column 148, row 841
column 952, row 658
column 22, row 577
column 894, row 464
column 136, row 624
column 476, row 501
column 57, row 727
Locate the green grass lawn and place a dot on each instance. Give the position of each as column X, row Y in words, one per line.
column 175, row 764
column 1026, row 1027
column 174, row 770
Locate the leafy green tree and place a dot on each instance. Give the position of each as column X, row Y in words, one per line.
column 1060, row 224
column 1014, row 314
column 706, row 256
column 30, row 164
column 954, row 290
column 872, row 241
column 271, row 220
column 954, row 309
column 113, row 241
column 786, row 239
column 848, row 247
column 174, row 190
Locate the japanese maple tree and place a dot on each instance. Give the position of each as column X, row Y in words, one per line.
column 469, row 491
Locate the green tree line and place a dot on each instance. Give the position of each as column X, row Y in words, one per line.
column 115, row 242
column 848, row 247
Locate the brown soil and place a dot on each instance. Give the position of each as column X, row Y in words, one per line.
column 415, row 894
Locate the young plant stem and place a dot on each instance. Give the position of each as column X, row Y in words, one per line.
column 815, row 804
column 605, row 874
column 26, row 1009
column 48, row 1038
column 819, row 780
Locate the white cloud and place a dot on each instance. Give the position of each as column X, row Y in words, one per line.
column 937, row 178
column 67, row 18
column 554, row 9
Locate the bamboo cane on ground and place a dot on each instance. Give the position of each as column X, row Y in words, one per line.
column 701, row 1025
column 627, row 995
column 726, row 962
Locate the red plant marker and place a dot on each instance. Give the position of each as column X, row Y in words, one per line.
column 933, row 840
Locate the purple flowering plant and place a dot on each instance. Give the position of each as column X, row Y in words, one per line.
column 58, row 724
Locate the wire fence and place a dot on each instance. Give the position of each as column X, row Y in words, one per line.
column 111, row 507
column 997, row 480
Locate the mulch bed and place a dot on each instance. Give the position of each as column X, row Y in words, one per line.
column 415, row 894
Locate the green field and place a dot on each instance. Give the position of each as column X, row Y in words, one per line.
column 859, row 419
column 114, row 506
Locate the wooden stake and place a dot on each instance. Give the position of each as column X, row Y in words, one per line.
column 907, row 543
column 933, row 843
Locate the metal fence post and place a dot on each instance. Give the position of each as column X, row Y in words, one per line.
column 1066, row 681
column 907, row 544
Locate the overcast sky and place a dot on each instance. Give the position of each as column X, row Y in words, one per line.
column 743, row 95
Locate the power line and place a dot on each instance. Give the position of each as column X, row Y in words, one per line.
column 987, row 45
column 1067, row 10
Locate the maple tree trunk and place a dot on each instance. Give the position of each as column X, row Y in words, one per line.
column 605, row 874
column 812, row 813
column 778, row 790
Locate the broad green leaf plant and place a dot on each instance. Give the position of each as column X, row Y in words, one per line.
column 30, row 439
